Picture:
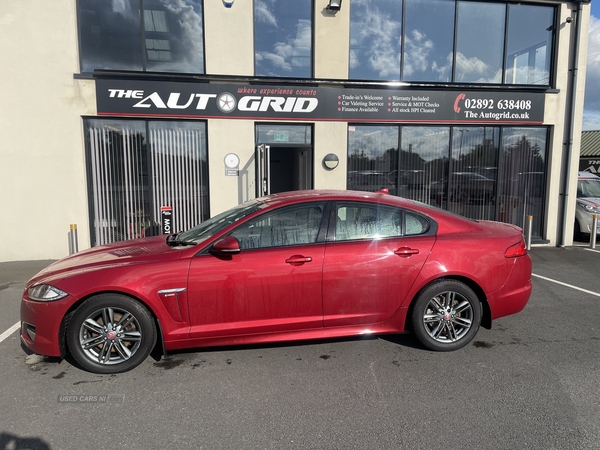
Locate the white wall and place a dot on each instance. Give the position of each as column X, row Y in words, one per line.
column 42, row 160
column 42, row 183
column 557, row 115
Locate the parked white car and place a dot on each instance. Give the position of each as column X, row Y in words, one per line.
column 588, row 202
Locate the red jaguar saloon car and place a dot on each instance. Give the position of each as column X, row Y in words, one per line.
column 293, row 266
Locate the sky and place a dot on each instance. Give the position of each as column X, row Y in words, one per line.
column 591, row 113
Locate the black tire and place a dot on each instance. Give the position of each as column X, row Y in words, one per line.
column 577, row 235
column 111, row 333
column 446, row 316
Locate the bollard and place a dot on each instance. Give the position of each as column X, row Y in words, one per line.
column 528, row 231
column 594, row 230
column 73, row 246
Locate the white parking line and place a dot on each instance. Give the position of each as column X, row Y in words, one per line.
column 10, row 331
column 592, row 250
column 567, row 285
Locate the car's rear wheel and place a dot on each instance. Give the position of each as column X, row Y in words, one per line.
column 111, row 333
column 446, row 315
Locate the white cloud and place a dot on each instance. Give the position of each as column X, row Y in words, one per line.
column 591, row 120
column 474, row 69
column 263, row 14
column 383, row 36
column 293, row 52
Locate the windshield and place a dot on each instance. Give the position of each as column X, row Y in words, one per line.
column 215, row 224
column 588, row 187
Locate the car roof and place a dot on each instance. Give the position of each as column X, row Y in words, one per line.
column 333, row 194
column 382, row 197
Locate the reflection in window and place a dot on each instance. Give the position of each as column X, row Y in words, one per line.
column 283, row 134
column 286, row 227
column 132, row 174
column 487, row 173
column 522, row 176
column 423, row 164
column 111, row 35
column 480, row 42
column 372, row 158
column 529, row 44
column 428, row 41
column 375, row 38
column 472, row 183
column 367, row 221
column 283, row 38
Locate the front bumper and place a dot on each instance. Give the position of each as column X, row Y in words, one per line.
column 41, row 324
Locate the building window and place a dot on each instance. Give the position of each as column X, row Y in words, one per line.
column 140, row 35
column 441, row 41
column 136, row 167
column 479, row 42
column 283, row 39
column 529, row 44
column 484, row 173
column 429, row 40
column 375, row 38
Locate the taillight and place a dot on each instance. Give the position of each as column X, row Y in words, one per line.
column 516, row 250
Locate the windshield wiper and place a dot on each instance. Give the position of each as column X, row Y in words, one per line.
column 174, row 242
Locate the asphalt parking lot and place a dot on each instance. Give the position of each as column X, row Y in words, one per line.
column 531, row 382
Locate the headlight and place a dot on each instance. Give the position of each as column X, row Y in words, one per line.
column 45, row 293
column 589, row 208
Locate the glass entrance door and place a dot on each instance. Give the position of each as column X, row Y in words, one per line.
column 283, row 158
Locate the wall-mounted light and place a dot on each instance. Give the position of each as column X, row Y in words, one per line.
column 334, row 5
column 331, row 161
column 228, row 3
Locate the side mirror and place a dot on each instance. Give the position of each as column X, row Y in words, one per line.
column 226, row 247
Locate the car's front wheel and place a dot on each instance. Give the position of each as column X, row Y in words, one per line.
column 446, row 315
column 111, row 333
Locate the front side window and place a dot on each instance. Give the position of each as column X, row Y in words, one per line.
column 283, row 38
column 139, row 35
column 298, row 225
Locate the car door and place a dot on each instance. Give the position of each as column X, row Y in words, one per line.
column 372, row 262
column 273, row 284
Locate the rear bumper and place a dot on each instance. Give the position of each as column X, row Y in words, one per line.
column 514, row 295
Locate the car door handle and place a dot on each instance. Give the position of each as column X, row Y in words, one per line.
column 298, row 260
column 406, row 252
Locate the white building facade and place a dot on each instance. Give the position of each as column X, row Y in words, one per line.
column 117, row 114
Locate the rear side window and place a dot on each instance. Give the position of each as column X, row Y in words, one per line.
column 415, row 224
column 357, row 221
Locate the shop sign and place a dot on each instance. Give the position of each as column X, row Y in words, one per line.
column 204, row 100
column 166, row 213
